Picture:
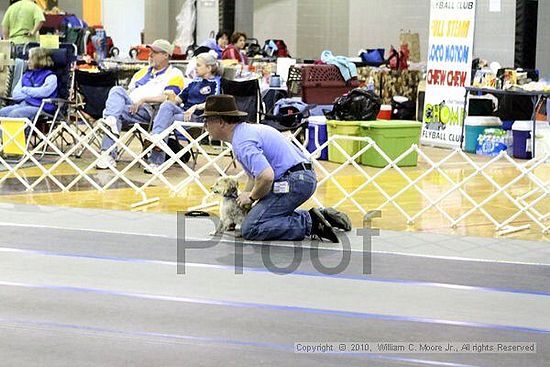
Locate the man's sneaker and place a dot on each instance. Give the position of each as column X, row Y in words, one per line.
column 105, row 161
column 320, row 227
column 337, row 219
column 111, row 123
column 153, row 167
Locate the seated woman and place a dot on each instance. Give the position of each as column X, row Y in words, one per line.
column 234, row 51
column 217, row 44
column 36, row 84
column 189, row 104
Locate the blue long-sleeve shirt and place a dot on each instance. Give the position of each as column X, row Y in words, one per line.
column 198, row 90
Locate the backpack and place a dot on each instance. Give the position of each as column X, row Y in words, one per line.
column 357, row 105
column 289, row 111
column 287, row 114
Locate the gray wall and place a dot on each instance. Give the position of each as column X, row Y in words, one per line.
column 244, row 17
column 494, row 33
column 543, row 41
column 157, row 20
column 322, row 25
column 345, row 26
column 207, row 19
column 377, row 23
column 277, row 19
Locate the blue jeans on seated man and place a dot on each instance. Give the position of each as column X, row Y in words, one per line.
column 167, row 114
column 117, row 105
column 275, row 217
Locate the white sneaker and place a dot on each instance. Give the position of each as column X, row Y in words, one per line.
column 105, row 162
column 154, row 167
column 111, row 123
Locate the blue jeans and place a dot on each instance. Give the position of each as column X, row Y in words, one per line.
column 117, row 105
column 19, row 110
column 168, row 113
column 275, row 217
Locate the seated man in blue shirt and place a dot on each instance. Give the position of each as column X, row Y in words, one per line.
column 280, row 178
column 132, row 106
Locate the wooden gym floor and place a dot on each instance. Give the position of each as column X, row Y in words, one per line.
column 121, row 197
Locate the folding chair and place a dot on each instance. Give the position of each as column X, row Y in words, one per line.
column 64, row 59
column 248, row 99
column 146, row 124
column 271, row 96
column 247, row 96
column 93, row 90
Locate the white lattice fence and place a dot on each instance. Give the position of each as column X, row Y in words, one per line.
column 81, row 153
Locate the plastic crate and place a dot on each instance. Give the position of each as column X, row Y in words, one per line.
column 321, row 84
column 351, row 147
column 394, row 138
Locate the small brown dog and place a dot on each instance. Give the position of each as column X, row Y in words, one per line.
column 231, row 214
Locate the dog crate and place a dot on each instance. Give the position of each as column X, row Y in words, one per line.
column 319, row 84
column 294, row 81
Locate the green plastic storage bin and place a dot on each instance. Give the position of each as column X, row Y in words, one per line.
column 347, row 128
column 394, row 137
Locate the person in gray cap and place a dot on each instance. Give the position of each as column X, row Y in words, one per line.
column 130, row 106
column 280, row 178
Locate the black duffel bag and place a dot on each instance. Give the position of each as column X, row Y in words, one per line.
column 357, row 105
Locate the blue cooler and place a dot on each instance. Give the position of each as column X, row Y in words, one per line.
column 521, row 131
column 317, row 130
column 475, row 126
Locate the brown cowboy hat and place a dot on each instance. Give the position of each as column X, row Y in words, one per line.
column 222, row 105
